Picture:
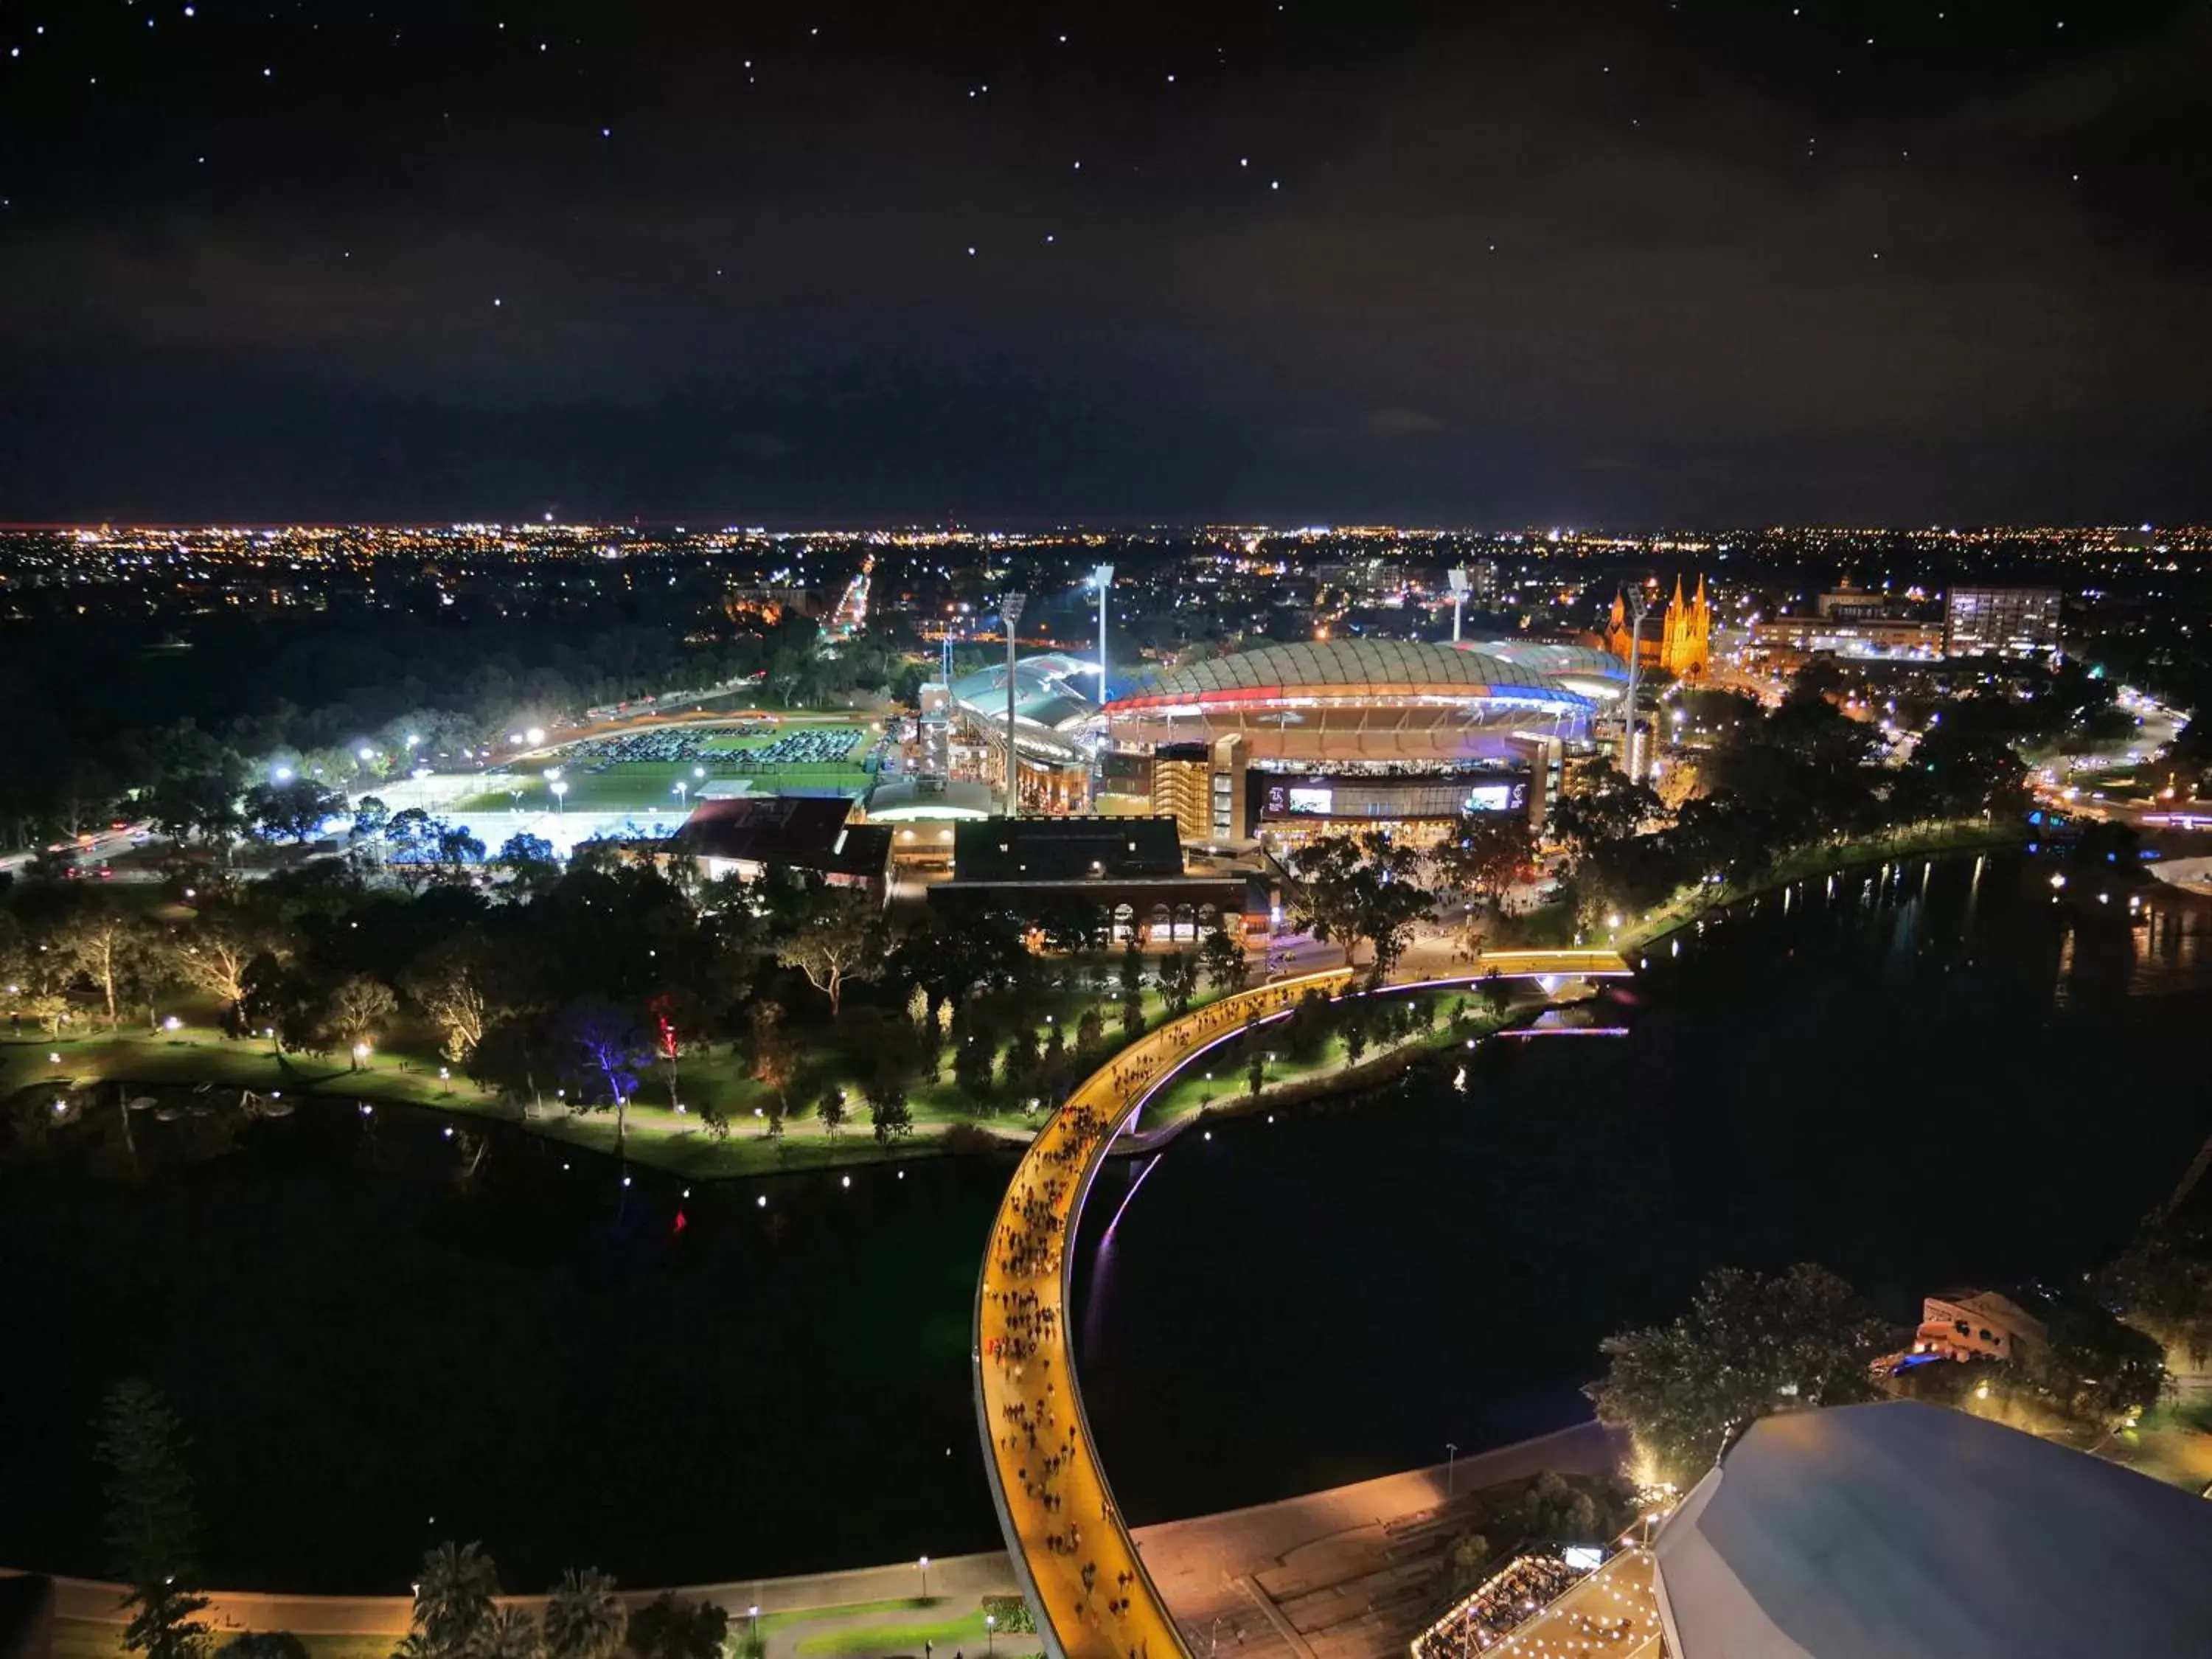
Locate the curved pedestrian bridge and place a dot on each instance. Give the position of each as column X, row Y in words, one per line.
column 1071, row 1548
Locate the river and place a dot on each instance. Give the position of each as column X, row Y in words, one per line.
column 1917, row 1081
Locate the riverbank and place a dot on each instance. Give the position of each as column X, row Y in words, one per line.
column 1304, row 1556
column 1693, row 904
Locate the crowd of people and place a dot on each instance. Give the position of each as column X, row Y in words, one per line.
column 1507, row 1600
column 1038, row 1438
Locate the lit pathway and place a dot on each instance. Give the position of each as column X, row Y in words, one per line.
column 1069, row 1545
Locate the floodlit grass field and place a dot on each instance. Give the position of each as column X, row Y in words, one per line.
column 598, row 785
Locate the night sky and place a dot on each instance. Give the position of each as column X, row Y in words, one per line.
column 1564, row 263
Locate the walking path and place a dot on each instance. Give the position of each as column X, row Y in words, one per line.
column 1071, row 1548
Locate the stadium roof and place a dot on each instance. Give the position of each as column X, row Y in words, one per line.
column 1567, row 662
column 910, row 797
column 1349, row 663
column 1049, row 691
column 1902, row 1530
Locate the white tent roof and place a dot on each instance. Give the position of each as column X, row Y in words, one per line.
column 1900, row 1530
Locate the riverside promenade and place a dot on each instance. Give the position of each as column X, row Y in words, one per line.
column 1070, row 1547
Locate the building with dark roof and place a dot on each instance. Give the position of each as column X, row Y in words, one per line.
column 748, row 835
column 1907, row 1531
column 1128, row 871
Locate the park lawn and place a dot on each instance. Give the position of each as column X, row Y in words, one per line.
column 1194, row 1090
column 950, row 1630
column 404, row 1071
column 87, row 1638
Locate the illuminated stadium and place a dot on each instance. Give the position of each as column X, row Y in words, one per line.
column 1358, row 701
column 1055, row 695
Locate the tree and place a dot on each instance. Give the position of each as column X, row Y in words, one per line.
column 370, row 815
column 774, row 1059
column 583, row 1618
column 665, row 1628
column 841, row 938
column 1307, row 1028
column 356, row 1012
column 201, row 800
column 831, row 1110
column 1355, row 1037
column 516, row 1056
column 1359, row 887
column 529, row 861
column 610, row 1049
column 1484, row 854
column 1466, row 1562
column 972, row 1064
column 296, row 809
column 509, row 1633
column 1748, row 1347
column 447, row 985
column 888, row 1112
column 457, row 850
column 454, row 1602
column 1132, row 975
column 1089, row 1031
column 113, row 948
column 1178, row 981
column 1017, row 1066
column 1497, row 993
column 213, row 950
column 153, row 1521
column 1222, row 961
column 1606, row 807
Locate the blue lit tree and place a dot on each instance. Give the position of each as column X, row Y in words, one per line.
column 611, row 1050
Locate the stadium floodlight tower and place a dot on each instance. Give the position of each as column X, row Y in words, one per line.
column 1458, row 578
column 1010, row 607
column 1102, row 578
column 1638, row 608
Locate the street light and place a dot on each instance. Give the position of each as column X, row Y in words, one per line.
column 560, row 806
column 1451, row 1457
column 1460, row 581
column 925, row 1578
column 990, row 1633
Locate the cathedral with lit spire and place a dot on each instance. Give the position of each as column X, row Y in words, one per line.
column 1682, row 643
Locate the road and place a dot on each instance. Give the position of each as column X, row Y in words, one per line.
column 1078, row 1563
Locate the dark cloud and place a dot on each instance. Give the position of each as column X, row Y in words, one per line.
column 1626, row 263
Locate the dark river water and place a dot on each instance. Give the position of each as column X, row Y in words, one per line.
column 1915, row 1081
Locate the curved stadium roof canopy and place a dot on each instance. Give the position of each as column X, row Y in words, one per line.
column 1354, row 699
column 1053, row 695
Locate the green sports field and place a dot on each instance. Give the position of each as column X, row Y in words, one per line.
column 599, row 783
